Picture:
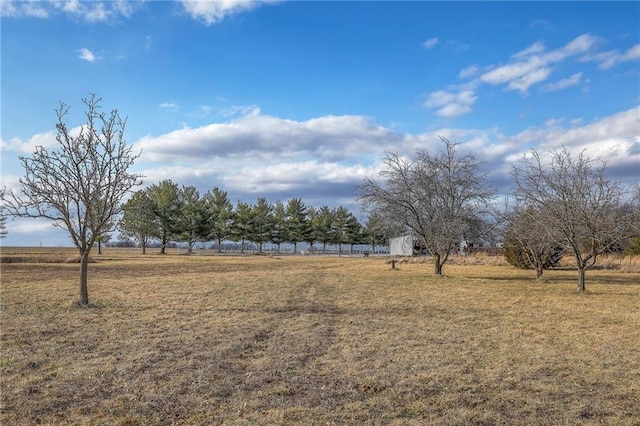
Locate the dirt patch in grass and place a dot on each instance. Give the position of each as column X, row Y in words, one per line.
column 305, row 340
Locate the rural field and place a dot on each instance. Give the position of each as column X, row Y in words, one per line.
column 307, row 340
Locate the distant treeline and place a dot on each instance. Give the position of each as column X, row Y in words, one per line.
column 166, row 214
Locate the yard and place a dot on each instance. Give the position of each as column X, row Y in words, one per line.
column 310, row 340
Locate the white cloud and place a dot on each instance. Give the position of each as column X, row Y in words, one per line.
column 169, row 106
column 611, row 138
column 531, row 50
column 331, row 138
column 632, row 54
column 44, row 139
column 35, row 232
column 90, row 11
column 525, row 69
column 236, row 110
column 533, row 64
column 581, row 44
column 211, row 12
column 529, row 79
column 99, row 11
column 611, row 58
column 292, row 176
column 451, row 104
column 28, row 226
column 34, row 10
column 470, row 71
column 87, row 55
column 124, row 8
column 432, row 42
column 518, row 72
column 8, row 9
column 15, row 9
column 324, row 158
column 574, row 80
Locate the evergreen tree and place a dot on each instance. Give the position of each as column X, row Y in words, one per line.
column 377, row 232
column 138, row 220
column 242, row 226
column 342, row 227
column 194, row 218
column 221, row 216
column 352, row 232
column 261, row 222
column 278, row 225
column 323, row 226
column 166, row 206
column 310, row 234
column 296, row 220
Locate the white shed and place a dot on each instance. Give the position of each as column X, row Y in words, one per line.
column 401, row 245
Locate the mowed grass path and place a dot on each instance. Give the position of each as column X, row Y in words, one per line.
column 310, row 340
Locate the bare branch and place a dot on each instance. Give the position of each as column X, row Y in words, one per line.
column 576, row 200
column 438, row 197
column 79, row 184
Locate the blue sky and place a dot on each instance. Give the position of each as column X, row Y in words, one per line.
column 302, row 99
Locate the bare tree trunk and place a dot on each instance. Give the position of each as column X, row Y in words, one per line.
column 219, row 245
column 144, row 248
column 84, row 266
column 539, row 271
column 538, row 266
column 581, row 279
column 437, row 265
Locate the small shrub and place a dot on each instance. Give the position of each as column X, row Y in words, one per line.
column 634, row 247
column 516, row 255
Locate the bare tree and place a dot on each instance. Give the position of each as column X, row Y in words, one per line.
column 437, row 197
column 80, row 184
column 579, row 202
column 528, row 239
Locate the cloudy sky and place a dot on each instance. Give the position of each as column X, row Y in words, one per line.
column 302, row 99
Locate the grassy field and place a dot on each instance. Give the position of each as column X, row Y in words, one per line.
column 314, row 341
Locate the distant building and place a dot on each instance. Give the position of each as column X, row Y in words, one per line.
column 406, row 245
column 409, row 244
column 401, row 245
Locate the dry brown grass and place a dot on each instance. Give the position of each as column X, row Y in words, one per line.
column 308, row 340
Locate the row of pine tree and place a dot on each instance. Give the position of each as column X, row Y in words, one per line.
column 166, row 212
